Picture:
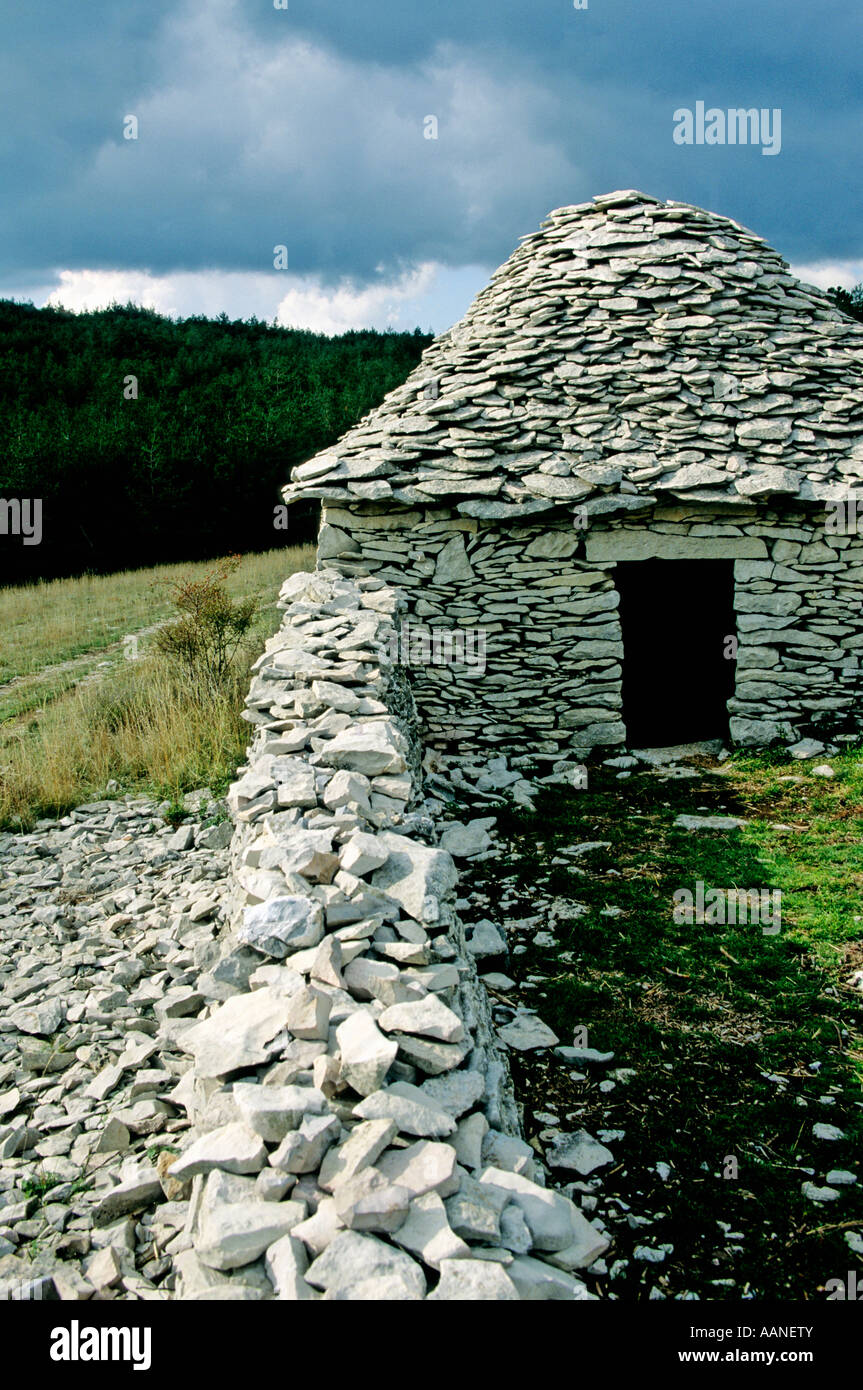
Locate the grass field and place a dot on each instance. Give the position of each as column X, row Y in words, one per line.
column 76, row 713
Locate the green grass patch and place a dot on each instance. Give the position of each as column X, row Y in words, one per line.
column 741, row 1041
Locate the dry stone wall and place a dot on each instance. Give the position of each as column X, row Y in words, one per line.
column 355, row 1133
column 544, row 673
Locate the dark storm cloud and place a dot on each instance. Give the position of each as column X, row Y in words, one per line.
column 305, row 127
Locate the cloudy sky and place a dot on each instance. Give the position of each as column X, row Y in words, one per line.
column 307, row 127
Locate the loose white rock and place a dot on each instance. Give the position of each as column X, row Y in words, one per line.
column 362, row 853
column 427, row 1233
column 286, row 1263
column 302, row 1150
column 579, row 1152
column 526, row 1032
column 234, row 1148
column 370, row 1202
column 352, row 1259
column 366, row 1055
column 473, row 1281
column 428, row 1018
column 412, row 1110
column 414, row 873
column 282, row 925
column 422, row 1167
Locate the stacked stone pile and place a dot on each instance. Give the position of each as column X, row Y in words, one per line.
column 355, row 1135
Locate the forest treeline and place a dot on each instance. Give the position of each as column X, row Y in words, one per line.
column 849, row 301
column 149, row 439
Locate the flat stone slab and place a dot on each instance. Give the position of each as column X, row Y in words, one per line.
column 537, row 1281
column 237, row 1034
column 235, row 1148
column 584, row 1056
column 370, row 749
column 464, row 841
column 431, row 1056
column 527, row 1032
column 362, row 1147
column 139, row 1185
column 709, row 822
column 806, row 748
column 413, row 1111
column 649, row 545
column 456, row 1092
column 422, row 1167
column 427, row 1018
column 579, row 1152
column 236, row 1233
column 272, row 1111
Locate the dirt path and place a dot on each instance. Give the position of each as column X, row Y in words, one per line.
column 92, row 665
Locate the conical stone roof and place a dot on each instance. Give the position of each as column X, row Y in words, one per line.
column 629, row 350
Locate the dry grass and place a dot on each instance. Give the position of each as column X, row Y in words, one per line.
column 45, row 623
column 135, row 723
column 56, row 633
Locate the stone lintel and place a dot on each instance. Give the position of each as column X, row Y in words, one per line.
column 654, row 545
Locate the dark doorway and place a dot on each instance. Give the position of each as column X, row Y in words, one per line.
column 677, row 617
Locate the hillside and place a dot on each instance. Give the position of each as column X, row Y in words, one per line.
column 86, row 701
column 191, row 466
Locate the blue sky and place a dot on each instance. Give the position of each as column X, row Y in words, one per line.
column 304, row 127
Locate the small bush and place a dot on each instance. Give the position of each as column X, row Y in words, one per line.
column 206, row 639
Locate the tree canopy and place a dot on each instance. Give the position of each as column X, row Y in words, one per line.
column 151, row 439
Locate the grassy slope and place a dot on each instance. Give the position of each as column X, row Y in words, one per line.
column 52, row 634
column 74, row 714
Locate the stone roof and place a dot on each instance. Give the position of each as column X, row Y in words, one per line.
column 629, row 350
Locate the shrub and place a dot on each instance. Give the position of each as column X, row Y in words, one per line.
column 204, row 642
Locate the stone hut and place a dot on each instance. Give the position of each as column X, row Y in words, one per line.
column 619, row 495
